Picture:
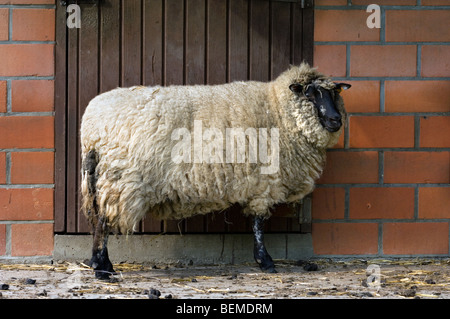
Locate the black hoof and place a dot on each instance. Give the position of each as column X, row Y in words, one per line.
column 267, row 265
column 102, row 266
column 103, row 275
column 270, row 270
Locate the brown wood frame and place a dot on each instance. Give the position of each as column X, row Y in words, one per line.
column 180, row 42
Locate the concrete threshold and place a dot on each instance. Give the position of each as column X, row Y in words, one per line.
column 196, row 248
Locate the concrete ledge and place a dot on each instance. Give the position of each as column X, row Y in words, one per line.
column 26, row 260
column 198, row 248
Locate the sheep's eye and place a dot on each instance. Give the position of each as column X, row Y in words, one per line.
column 310, row 95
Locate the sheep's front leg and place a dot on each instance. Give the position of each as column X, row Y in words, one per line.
column 100, row 260
column 260, row 253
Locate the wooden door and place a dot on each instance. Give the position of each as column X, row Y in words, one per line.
column 164, row 42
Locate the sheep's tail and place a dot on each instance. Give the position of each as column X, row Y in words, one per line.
column 88, row 187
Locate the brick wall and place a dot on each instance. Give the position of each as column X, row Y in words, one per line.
column 385, row 190
column 27, row 34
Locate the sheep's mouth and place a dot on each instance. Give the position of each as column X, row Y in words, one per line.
column 332, row 129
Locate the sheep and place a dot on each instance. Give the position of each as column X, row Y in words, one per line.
column 144, row 152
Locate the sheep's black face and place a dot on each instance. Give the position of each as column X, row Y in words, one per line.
column 324, row 101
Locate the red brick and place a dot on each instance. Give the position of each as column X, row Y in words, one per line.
column 435, row 60
column 328, row 203
column 330, row 2
column 378, row 202
column 350, row 167
column 435, row 3
column 2, row 239
column 26, row 60
column 4, row 24
column 417, row 167
column 415, row 238
column 363, row 96
column 26, row 132
column 32, row 95
column 27, row 1
column 330, row 59
column 385, row 2
column 31, row 239
column 3, row 96
column 417, row 25
column 417, row 96
column 343, row 25
column 33, row 24
column 434, row 202
column 32, row 167
column 435, row 131
column 26, row 204
column 345, row 238
column 381, row 131
column 383, row 60
column 2, row 168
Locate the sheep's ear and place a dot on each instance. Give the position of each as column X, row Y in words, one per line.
column 342, row 86
column 296, row 88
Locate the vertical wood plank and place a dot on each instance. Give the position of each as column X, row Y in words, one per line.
column 308, row 35
column 174, row 42
column 217, row 42
column 109, row 45
column 195, row 73
column 280, row 54
column 236, row 221
column 173, row 226
column 195, row 42
column 153, row 42
column 88, row 85
column 259, row 40
column 151, row 225
column 60, row 120
column 238, row 40
column 277, row 224
column 195, row 224
column 174, row 21
column 72, row 190
column 152, row 72
column 297, row 35
column 215, row 223
column 280, row 38
column 88, row 58
column 131, row 42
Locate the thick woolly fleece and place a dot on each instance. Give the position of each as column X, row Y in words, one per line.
column 130, row 132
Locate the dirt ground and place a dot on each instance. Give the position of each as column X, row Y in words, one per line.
column 352, row 278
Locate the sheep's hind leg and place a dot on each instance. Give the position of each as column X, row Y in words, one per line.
column 260, row 253
column 100, row 260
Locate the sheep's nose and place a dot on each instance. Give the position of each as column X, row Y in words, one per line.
column 335, row 121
